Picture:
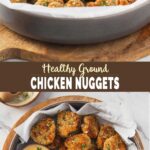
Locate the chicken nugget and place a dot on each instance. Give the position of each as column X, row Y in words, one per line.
column 44, row 131
column 55, row 4
column 49, row 3
column 91, row 4
column 78, row 142
column 74, row 3
column 114, row 143
column 68, row 122
column 90, row 126
column 106, row 131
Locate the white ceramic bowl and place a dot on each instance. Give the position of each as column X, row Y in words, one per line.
column 70, row 26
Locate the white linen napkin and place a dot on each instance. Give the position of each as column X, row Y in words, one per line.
column 9, row 115
column 114, row 114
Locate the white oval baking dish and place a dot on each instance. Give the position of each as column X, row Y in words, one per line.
column 96, row 24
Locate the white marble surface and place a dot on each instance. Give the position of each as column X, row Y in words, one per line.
column 138, row 104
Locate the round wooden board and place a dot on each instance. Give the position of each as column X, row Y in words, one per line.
column 129, row 48
column 53, row 102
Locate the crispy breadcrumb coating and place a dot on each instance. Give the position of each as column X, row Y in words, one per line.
column 106, row 132
column 90, row 126
column 67, row 123
column 44, row 131
column 114, row 143
column 78, row 142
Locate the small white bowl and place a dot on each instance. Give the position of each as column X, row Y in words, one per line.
column 23, row 102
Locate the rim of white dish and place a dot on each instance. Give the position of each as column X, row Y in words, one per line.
column 47, row 13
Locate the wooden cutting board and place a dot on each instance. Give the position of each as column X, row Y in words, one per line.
column 130, row 48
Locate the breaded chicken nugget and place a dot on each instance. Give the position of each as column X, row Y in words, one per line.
column 90, row 126
column 44, row 131
column 113, row 2
column 106, row 131
column 55, row 4
column 43, row 2
column 91, row 4
column 74, row 3
column 49, row 3
column 114, row 143
column 78, row 142
column 68, row 122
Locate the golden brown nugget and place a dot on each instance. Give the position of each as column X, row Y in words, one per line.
column 114, row 143
column 43, row 2
column 78, row 142
column 55, row 4
column 113, row 2
column 91, row 4
column 50, row 3
column 68, row 122
column 124, row 2
column 44, row 131
column 106, row 132
column 90, row 126
column 74, row 3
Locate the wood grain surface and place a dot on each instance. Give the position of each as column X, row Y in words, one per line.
column 54, row 102
column 130, row 48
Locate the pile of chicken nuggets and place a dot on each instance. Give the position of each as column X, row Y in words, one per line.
column 70, row 131
column 75, row 3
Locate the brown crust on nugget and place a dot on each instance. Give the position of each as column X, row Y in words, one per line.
column 90, row 126
column 44, row 131
column 68, row 122
column 114, row 143
column 106, row 131
column 78, row 142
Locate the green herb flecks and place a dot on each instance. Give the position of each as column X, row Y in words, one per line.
column 108, row 147
column 39, row 148
column 25, row 94
column 104, row 3
column 83, row 146
column 48, row 124
column 46, row 4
